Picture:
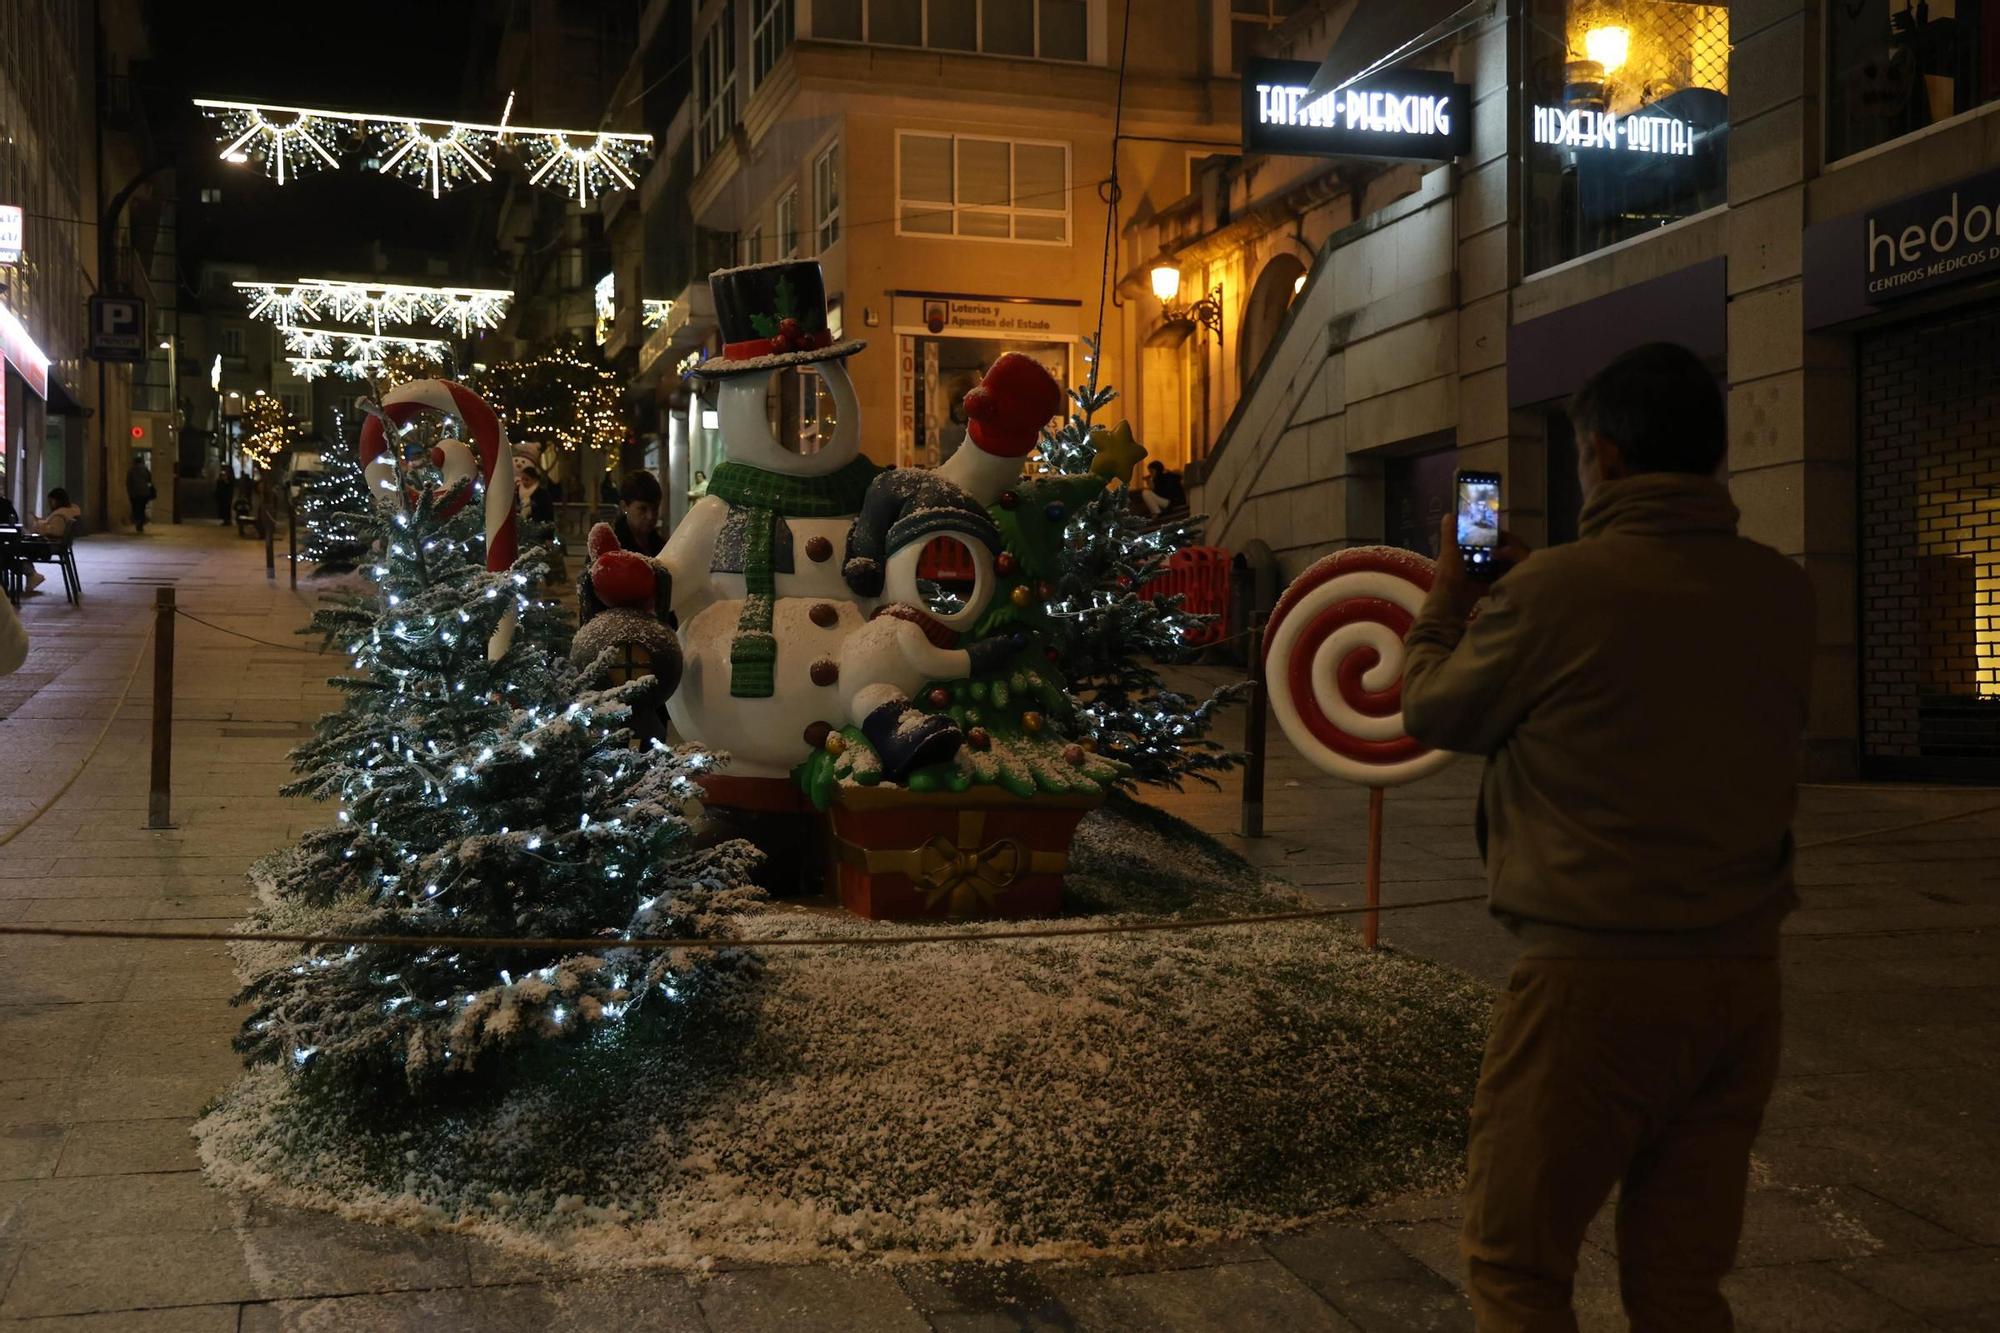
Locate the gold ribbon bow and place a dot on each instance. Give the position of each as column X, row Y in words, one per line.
column 962, row 877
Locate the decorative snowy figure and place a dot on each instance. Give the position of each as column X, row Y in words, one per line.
column 779, row 650
column 623, row 602
column 456, row 462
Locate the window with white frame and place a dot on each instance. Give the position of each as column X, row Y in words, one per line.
column 989, row 189
column 295, row 405
column 232, row 341
column 1034, row 29
column 787, row 230
column 826, row 197
column 770, row 35
column 753, row 246
column 715, row 83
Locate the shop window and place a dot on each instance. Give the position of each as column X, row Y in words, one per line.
column 770, row 35
column 753, row 246
column 989, row 189
column 1048, row 29
column 826, row 197
column 1626, row 121
column 715, row 83
column 787, row 231
column 1894, row 67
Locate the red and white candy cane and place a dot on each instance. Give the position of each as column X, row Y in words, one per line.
column 1333, row 664
column 455, row 462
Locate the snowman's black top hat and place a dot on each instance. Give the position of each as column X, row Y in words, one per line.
column 771, row 315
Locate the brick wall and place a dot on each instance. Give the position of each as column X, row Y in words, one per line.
column 1930, row 545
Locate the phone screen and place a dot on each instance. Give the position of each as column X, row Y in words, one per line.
column 1478, row 517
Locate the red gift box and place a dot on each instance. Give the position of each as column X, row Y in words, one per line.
column 897, row 855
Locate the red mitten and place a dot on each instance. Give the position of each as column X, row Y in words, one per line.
column 1012, row 404
column 601, row 539
column 623, row 578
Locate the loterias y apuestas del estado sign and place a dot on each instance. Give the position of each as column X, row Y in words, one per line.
column 1862, row 261
column 1410, row 114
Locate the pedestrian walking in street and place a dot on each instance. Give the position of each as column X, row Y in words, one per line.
column 1640, row 696
column 139, row 491
column 225, row 489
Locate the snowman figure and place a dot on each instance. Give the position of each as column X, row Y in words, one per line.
column 777, row 648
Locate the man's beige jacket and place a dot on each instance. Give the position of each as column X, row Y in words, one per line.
column 1640, row 695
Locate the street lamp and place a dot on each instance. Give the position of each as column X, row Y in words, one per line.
column 1166, row 282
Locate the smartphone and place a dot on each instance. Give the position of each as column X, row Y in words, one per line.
column 1479, row 521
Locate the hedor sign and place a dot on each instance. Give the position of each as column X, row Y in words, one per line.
column 1947, row 235
column 1858, row 263
column 1413, row 114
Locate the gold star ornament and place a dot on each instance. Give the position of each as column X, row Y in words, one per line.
column 1117, row 452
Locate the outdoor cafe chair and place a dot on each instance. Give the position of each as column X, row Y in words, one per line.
column 60, row 552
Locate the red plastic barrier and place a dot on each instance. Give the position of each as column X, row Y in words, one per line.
column 1200, row 575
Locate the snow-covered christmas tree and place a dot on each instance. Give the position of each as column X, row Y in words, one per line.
column 503, row 798
column 335, row 511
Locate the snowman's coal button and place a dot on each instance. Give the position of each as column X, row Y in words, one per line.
column 819, row 550
column 816, row 734
column 825, row 671
column 824, row 614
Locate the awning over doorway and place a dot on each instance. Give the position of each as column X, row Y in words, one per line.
column 1380, row 34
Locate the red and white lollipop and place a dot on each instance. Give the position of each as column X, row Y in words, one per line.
column 1333, row 664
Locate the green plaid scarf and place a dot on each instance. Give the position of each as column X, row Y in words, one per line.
column 766, row 497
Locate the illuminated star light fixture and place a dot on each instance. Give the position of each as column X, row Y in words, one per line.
column 436, row 154
column 362, row 354
column 286, row 304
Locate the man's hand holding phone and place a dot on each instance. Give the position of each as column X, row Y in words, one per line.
column 1464, row 587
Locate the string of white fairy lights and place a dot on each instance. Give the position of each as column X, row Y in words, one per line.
column 291, row 141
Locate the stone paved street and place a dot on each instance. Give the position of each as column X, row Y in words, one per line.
column 1876, row 1202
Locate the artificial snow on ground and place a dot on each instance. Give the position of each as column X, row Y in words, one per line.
column 1032, row 1099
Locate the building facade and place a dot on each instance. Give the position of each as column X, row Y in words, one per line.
column 948, row 164
column 1804, row 193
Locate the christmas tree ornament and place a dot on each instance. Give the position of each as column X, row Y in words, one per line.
column 622, row 609
column 1021, row 596
column 1008, row 499
column 1005, row 564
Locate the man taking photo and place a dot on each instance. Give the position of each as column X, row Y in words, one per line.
column 1640, row 696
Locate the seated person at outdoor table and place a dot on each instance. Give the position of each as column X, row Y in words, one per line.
column 54, row 524
column 638, row 521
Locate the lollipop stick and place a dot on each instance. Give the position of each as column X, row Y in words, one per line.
column 1371, row 924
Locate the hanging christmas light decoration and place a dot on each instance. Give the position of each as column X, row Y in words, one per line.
column 606, row 162
column 360, row 355
column 435, row 154
column 375, row 304
column 654, row 313
column 288, row 144
column 452, row 158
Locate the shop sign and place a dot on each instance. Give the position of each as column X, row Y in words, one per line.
column 1857, row 263
column 1944, row 236
column 986, row 316
column 1606, row 131
column 1408, row 114
column 13, row 225
column 22, row 354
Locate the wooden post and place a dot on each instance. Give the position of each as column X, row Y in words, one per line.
column 159, row 798
column 270, row 529
column 1371, row 924
column 1254, row 738
column 292, row 538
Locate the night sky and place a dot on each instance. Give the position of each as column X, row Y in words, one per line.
column 418, row 56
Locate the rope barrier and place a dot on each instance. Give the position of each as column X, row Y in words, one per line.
column 248, row 638
column 777, row 942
